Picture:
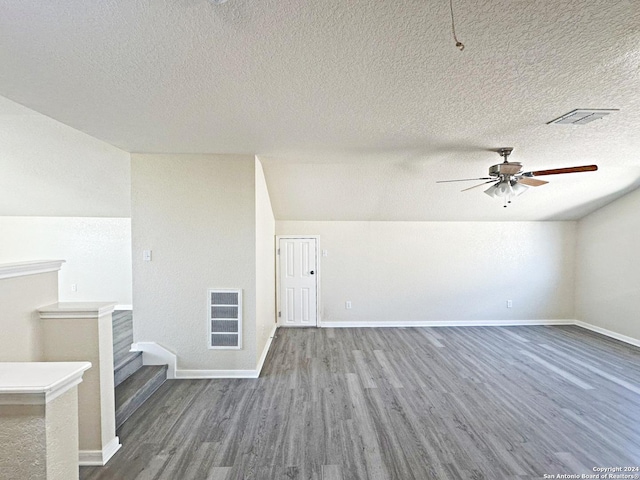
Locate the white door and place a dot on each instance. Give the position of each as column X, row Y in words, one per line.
column 298, row 284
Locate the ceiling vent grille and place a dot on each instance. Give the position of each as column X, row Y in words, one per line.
column 582, row 116
column 225, row 319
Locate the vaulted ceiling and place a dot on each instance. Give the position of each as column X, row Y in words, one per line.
column 356, row 108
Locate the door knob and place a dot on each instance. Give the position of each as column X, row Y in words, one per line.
column 311, row 272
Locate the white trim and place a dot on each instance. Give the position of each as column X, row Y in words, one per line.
column 608, row 333
column 20, row 269
column 123, row 307
column 447, row 323
column 196, row 374
column 37, row 383
column 76, row 310
column 155, row 354
column 266, row 348
column 318, row 273
column 99, row 458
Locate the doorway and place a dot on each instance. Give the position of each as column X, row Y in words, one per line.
column 297, row 281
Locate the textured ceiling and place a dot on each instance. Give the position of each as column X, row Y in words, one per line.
column 355, row 108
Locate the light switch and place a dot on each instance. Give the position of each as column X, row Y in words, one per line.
column 146, row 255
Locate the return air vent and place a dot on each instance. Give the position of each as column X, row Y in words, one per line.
column 582, row 116
column 225, row 319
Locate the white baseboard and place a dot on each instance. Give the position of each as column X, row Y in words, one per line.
column 608, row 333
column 265, row 350
column 99, row 458
column 123, row 307
column 155, row 354
column 447, row 323
column 196, row 374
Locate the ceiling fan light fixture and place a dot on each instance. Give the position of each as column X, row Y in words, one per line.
column 506, row 189
column 491, row 191
column 518, row 188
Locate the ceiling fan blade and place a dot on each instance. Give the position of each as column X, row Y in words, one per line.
column 556, row 171
column 509, row 168
column 531, row 182
column 466, row 180
column 480, row 184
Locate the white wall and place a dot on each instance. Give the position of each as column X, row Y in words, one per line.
column 443, row 271
column 97, row 253
column 608, row 266
column 50, row 169
column 197, row 213
column 265, row 262
column 65, row 195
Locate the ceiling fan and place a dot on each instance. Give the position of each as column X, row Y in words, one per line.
column 509, row 180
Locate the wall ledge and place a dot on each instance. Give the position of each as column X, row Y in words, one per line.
column 76, row 310
column 21, row 269
column 37, row 383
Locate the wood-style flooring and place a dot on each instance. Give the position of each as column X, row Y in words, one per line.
column 398, row 403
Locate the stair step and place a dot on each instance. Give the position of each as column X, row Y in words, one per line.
column 122, row 321
column 121, row 315
column 121, row 349
column 122, row 335
column 127, row 365
column 136, row 389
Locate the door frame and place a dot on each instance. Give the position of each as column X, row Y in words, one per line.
column 317, row 275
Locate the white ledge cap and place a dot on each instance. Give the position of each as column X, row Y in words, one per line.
column 34, row 383
column 76, row 310
column 20, row 269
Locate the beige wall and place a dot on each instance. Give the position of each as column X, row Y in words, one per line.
column 443, row 271
column 62, row 436
column 607, row 278
column 265, row 262
column 23, row 444
column 88, row 340
column 39, row 442
column 197, row 215
column 20, row 297
column 97, row 253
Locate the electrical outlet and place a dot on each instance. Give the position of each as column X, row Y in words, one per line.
column 347, row 305
column 74, row 287
column 509, row 304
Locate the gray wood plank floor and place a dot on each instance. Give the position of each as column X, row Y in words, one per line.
column 415, row 403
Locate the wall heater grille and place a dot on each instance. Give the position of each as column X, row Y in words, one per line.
column 225, row 319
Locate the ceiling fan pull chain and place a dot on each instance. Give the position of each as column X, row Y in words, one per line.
column 459, row 44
